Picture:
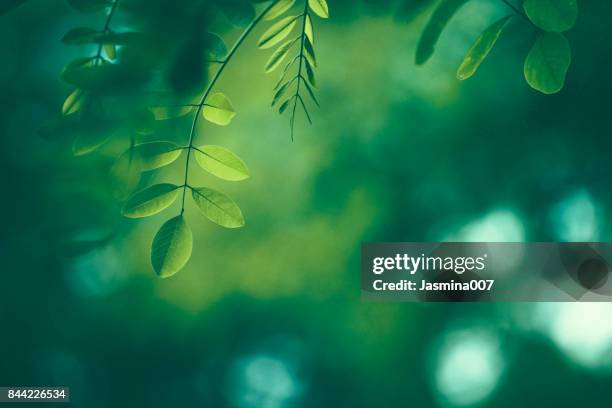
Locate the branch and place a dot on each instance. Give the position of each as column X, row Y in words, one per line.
column 210, row 87
column 109, row 17
column 299, row 74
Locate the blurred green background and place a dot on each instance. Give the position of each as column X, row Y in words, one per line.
column 269, row 315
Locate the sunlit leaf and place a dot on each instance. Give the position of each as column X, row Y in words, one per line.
column 80, row 35
column 481, row 48
column 278, row 9
column 111, row 51
column 150, row 201
column 308, row 29
column 88, row 6
column 445, row 10
column 74, row 102
column 309, row 52
column 169, row 112
column 547, row 63
column 172, row 246
column 278, row 56
column 222, row 163
column 218, row 110
column 552, row 15
column 154, row 155
column 277, row 32
column 218, row 207
column 319, row 7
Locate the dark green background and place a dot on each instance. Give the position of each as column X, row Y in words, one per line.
column 270, row 315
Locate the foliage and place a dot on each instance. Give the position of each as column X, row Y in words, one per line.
column 546, row 64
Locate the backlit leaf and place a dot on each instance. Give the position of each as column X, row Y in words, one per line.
column 218, row 207
column 150, row 201
column 278, row 9
column 277, row 32
column 222, row 163
column 309, row 52
column 308, row 29
column 172, row 246
column 481, row 48
column 154, row 155
column 74, row 102
column 547, row 63
column 552, row 15
column 278, row 56
column 445, row 10
column 319, row 7
column 218, row 109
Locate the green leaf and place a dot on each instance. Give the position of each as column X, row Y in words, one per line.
column 284, row 106
column 278, row 9
column 88, row 6
column 311, row 93
column 8, row 5
column 277, row 32
column 74, row 102
column 125, row 175
column 79, row 36
column 218, row 207
column 445, row 10
column 150, row 201
column 218, row 109
column 310, row 73
column 222, row 163
column 169, row 112
column 547, row 63
column 111, row 51
column 279, row 55
column 319, row 7
column 308, row 29
column 280, row 92
column 154, row 155
column 552, row 15
column 172, row 246
column 481, row 48
column 309, row 52
column 217, row 50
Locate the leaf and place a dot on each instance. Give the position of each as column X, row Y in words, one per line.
column 169, row 112
column 280, row 92
column 311, row 93
column 445, row 10
column 308, row 29
column 552, row 15
column 88, row 6
column 277, row 32
column 481, row 49
column 74, row 102
column 284, row 106
column 278, row 56
column 218, row 207
column 217, row 50
column 278, row 9
column 111, row 51
column 222, row 163
column 80, row 35
column 150, row 201
column 89, row 141
column 310, row 73
column 125, row 175
column 153, row 155
column 172, row 246
column 218, row 110
column 8, row 5
column 547, row 63
column 309, row 52
column 319, row 7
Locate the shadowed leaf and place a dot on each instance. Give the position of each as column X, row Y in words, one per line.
column 154, row 155
column 445, row 10
column 552, row 15
column 547, row 63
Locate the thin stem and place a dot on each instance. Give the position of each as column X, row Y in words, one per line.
column 515, row 9
column 209, row 88
column 109, row 17
column 299, row 74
